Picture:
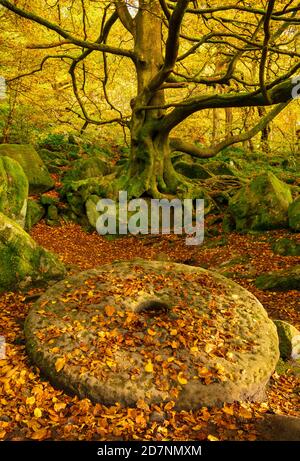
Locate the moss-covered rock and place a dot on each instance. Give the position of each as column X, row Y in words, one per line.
column 13, row 190
column 286, row 333
column 286, row 247
column 91, row 210
column 87, row 168
column 23, row 263
column 219, row 168
column 284, row 280
column 294, row 215
column 193, row 170
column 262, row 204
column 35, row 212
column 52, row 216
column 37, row 174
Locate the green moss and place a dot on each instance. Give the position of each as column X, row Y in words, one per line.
column 35, row 212
column 294, row 215
column 13, row 190
column 22, row 261
column 286, row 247
column 33, row 166
column 87, row 168
column 284, row 280
column 192, row 170
column 261, row 205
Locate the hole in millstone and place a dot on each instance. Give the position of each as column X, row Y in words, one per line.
column 153, row 306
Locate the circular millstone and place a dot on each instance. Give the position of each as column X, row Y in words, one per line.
column 153, row 331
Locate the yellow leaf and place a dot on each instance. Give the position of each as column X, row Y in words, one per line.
column 30, row 400
column 181, row 379
column 212, row 438
column 173, row 332
column 38, row 413
column 60, row 363
column 209, row 347
column 228, row 410
column 90, row 294
column 110, row 363
column 151, row 332
column 194, row 349
column 109, row 310
column 59, row 406
column 149, row 367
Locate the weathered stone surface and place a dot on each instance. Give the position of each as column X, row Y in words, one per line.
column 35, row 212
column 22, row 262
column 278, row 428
column 147, row 330
column 91, row 210
column 286, row 247
column 13, row 190
column 284, row 280
column 87, row 168
column 37, row 174
column 193, row 170
column 286, row 333
column 294, row 215
column 220, row 168
column 262, row 204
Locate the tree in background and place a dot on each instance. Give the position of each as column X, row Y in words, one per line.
column 187, row 57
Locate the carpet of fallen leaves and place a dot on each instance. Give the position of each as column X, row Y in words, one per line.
column 31, row 409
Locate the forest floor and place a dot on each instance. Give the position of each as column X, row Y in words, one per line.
column 31, row 409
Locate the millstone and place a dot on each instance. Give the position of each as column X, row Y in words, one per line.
column 153, row 331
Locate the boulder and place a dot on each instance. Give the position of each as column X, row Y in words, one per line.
column 284, row 280
column 35, row 212
column 13, row 190
column 286, row 334
column 294, row 215
column 220, row 168
column 262, row 204
column 192, row 170
column 286, row 247
column 87, row 168
column 37, row 174
column 278, row 428
column 91, row 211
column 22, row 262
column 146, row 330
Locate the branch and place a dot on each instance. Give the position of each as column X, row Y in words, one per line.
column 280, row 93
column 172, row 46
column 63, row 33
column 124, row 16
column 265, row 48
column 177, row 144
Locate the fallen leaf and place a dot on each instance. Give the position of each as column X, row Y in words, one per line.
column 149, row 367
column 109, row 310
column 60, row 363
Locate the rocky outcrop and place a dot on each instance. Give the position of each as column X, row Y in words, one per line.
column 22, row 262
column 261, row 205
column 13, row 190
column 37, row 174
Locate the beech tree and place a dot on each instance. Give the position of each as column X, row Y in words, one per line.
column 258, row 45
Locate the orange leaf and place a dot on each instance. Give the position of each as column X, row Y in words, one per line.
column 41, row 434
column 109, row 310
